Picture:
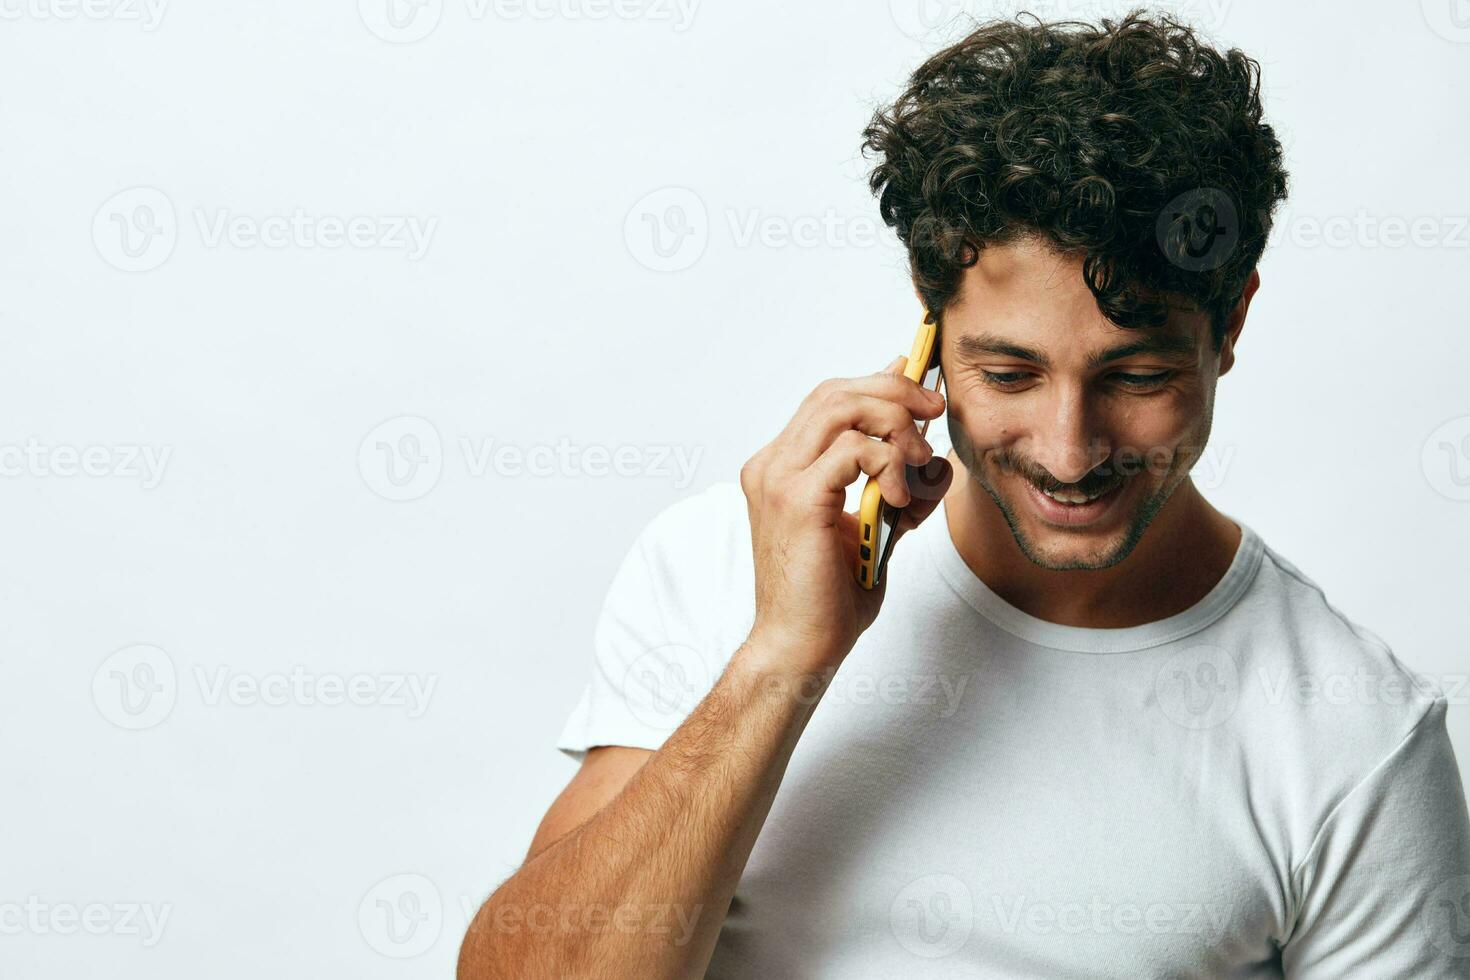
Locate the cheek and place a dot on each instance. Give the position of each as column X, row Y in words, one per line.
column 987, row 423
column 1162, row 426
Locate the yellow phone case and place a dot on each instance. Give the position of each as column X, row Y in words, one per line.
column 877, row 520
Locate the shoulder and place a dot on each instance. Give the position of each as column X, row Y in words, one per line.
column 1331, row 658
column 1325, row 703
column 696, row 554
column 715, row 518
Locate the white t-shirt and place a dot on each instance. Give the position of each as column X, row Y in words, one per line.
column 1254, row 787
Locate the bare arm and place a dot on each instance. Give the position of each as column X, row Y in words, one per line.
column 641, row 888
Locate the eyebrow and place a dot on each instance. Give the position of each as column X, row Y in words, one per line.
column 971, row 347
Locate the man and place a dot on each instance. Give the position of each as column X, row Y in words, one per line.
column 1090, row 735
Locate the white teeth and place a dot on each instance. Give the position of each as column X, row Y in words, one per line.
column 1068, row 497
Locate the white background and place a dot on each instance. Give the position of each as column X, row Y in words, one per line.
column 524, row 139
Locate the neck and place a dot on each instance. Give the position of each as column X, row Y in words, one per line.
column 1185, row 551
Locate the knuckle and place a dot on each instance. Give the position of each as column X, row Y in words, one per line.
column 750, row 475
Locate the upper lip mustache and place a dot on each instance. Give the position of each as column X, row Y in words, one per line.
column 1095, row 491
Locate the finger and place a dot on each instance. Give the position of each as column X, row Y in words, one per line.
column 844, row 403
column 870, row 415
column 851, row 455
column 928, row 485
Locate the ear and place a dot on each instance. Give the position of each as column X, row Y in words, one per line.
column 1236, row 322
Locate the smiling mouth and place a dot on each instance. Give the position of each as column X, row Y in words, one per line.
column 1065, row 496
column 1070, row 507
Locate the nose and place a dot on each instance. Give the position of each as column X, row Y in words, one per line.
column 1069, row 442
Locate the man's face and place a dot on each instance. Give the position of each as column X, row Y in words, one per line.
column 1045, row 394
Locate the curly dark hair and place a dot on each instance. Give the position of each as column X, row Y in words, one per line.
column 1132, row 143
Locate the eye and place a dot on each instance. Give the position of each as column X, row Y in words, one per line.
column 1142, row 381
column 1004, row 379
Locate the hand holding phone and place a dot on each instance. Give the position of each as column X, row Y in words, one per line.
column 878, row 519
column 809, row 608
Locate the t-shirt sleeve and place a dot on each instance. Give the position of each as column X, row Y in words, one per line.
column 1384, row 891
column 670, row 621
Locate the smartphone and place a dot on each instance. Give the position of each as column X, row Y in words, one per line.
column 877, row 520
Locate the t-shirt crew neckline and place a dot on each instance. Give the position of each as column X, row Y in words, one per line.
column 969, row 587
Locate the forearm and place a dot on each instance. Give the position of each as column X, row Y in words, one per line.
column 642, row 888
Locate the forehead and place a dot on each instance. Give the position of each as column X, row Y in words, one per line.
column 1031, row 295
